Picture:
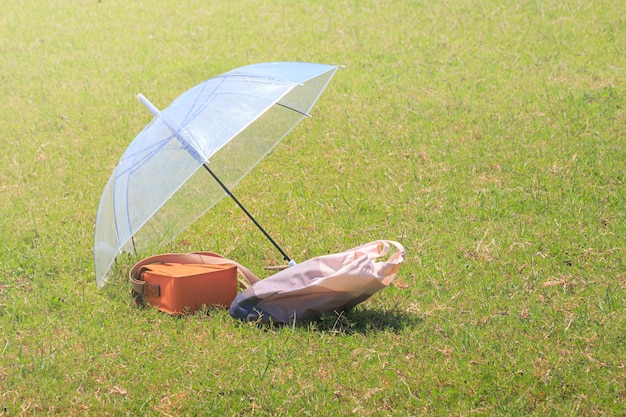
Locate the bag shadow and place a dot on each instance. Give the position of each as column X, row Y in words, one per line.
column 364, row 320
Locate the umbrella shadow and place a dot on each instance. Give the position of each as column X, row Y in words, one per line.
column 365, row 321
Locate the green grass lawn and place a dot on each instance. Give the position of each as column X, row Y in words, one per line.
column 486, row 136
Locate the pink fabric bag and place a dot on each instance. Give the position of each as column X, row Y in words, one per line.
column 326, row 284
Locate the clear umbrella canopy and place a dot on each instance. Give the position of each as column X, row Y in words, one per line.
column 229, row 123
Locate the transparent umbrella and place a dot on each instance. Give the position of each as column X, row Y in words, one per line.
column 194, row 151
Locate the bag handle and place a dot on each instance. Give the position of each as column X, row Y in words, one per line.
column 384, row 270
column 396, row 257
column 140, row 287
column 214, row 258
column 379, row 248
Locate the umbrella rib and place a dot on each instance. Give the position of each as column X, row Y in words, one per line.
column 198, row 110
column 256, row 223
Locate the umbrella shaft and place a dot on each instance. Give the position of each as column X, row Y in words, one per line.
column 231, row 195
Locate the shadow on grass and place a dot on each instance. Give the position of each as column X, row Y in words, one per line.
column 364, row 321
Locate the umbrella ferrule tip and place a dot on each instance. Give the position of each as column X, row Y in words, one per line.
column 143, row 100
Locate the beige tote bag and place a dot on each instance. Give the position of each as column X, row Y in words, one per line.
column 326, row 284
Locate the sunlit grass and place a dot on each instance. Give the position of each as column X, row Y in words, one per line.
column 486, row 137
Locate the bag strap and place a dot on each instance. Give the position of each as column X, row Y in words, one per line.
column 397, row 257
column 214, row 258
column 140, row 287
column 379, row 248
column 385, row 270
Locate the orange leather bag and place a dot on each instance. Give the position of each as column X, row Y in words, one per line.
column 180, row 284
